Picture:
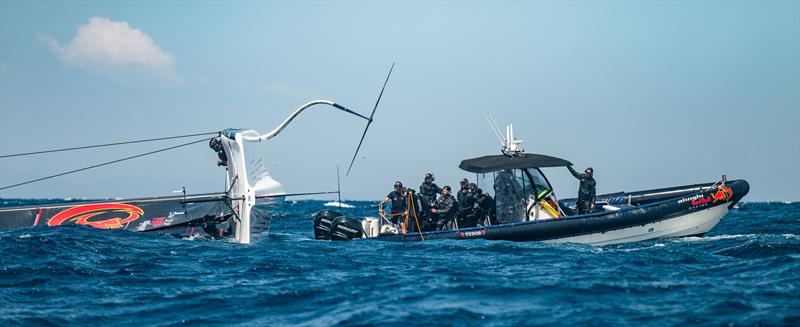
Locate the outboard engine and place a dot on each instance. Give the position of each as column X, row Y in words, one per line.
column 345, row 229
column 322, row 224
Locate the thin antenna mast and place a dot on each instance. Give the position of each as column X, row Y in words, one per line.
column 493, row 124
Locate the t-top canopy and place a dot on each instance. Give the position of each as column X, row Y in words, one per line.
column 487, row 164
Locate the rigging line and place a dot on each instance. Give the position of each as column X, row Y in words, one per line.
column 104, row 164
column 105, row 145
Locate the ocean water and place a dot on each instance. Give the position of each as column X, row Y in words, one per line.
column 745, row 272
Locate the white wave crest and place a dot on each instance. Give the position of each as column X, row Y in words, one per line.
column 339, row 204
column 713, row 238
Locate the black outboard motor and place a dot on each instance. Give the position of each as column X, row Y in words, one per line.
column 322, row 224
column 345, row 229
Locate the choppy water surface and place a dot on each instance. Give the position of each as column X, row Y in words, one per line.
column 745, row 272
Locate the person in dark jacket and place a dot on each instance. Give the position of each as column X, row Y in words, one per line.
column 466, row 208
column 444, row 209
column 586, row 192
column 398, row 198
column 216, row 145
column 464, row 189
column 428, row 190
column 485, row 204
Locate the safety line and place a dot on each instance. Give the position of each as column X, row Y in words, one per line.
column 105, row 145
column 104, row 164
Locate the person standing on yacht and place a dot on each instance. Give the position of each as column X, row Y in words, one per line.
column 586, row 191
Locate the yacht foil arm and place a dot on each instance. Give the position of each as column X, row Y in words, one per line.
column 241, row 196
column 253, row 136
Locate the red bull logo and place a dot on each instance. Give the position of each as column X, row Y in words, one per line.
column 724, row 193
column 101, row 215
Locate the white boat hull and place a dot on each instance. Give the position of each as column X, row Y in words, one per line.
column 695, row 223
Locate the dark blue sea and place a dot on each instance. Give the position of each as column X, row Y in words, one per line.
column 745, row 272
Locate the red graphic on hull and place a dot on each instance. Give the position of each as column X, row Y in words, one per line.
column 101, row 215
column 158, row 221
column 723, row 194
column 701, row 201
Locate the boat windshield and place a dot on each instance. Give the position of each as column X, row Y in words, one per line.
column 540, row 184
column 514, row 188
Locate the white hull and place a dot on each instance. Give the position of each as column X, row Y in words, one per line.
column 699, row 222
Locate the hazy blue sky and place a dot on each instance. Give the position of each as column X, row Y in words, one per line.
column 651, row 94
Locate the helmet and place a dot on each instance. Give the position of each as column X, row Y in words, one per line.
column 398, row 184
column 429, row 176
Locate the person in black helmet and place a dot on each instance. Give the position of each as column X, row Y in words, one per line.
column 586, row 191
column 428, row 190
column 443, row 210
column 398, row 198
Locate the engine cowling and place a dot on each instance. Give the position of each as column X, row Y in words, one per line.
column 322, row 224
column 345, row 229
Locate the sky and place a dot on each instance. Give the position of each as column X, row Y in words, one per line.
column 650, row 94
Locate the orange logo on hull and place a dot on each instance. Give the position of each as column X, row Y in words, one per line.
column 101, row 215
column 723, row 194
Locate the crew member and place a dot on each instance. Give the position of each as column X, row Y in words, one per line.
column 428, row 190
column 485, row 205
column 464, row 189
column 216, row 145
column 443, row 209
column 466, row 208
column 586, row 192
column 399, row 205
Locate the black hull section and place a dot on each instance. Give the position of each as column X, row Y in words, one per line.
column 654, row 206
column 205, row 214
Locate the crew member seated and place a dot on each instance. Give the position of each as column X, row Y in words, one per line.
column 399, row 205
column 443, row 210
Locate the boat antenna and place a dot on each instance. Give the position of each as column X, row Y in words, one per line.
column 369, row 121
column 493, row 124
